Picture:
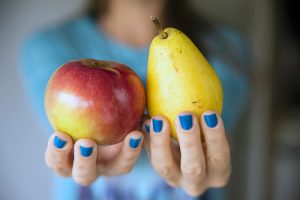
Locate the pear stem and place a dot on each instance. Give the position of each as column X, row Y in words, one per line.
column 163, row 34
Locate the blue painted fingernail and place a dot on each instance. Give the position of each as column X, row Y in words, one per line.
column 147, row 127
column 86, row 151
column 186, row 121
column 134, row 142
column 211, row 120
column 59, row 143
column 157, row 125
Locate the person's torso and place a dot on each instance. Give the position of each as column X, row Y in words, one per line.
column 82, row 38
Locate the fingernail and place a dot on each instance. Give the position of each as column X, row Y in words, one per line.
column 211, row 120
column 186, row 121
column 157, row 125
column 59, row 143
column 134, row 142
column 86, row 151
column 147, row 127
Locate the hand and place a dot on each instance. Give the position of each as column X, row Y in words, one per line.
column 85, row 160
column 190, row 164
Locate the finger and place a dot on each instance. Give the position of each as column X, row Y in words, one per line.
column 59, row 154
column 128, row 155
column 161, row 154
column 217, row 149
column 193, row 165
column 84, row 165
column 146, row 141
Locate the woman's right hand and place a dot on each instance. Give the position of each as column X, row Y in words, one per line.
column 85, row 160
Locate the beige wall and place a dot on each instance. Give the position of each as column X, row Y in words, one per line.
column 237, row 13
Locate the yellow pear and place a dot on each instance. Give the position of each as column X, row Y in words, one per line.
column 179, row 78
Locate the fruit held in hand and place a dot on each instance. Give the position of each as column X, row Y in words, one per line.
column 179, row 78
column 98, row 100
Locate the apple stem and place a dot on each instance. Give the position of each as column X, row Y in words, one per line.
column 163, row 34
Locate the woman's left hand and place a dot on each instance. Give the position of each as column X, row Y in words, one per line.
column 189, row 164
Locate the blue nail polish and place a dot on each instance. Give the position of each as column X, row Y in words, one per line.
column 147, row 128
column 157, row 125
column 86, row 151
column 211, row 120
column 59, row 143
column 186, row 122
column 134, row 142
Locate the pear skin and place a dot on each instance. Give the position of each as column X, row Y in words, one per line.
column 179, row 78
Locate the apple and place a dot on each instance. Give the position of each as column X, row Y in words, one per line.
column 98, row 100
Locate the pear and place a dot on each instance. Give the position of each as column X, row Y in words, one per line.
column 179, row 78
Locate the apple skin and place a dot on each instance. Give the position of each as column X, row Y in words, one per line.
column 98, row 100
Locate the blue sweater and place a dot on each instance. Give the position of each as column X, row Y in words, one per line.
column 44, row 52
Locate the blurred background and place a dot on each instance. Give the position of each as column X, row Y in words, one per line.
column 266, row 148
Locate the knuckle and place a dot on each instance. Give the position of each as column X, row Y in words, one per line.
column 212, row 138
column 163, row 170
column 84, row 175
column 82, row 166
column 125, row 169
column 192, row 169
column 60, row 171
column 157, row 143
column 188, row 144
column 219, row 159
column 53, row 160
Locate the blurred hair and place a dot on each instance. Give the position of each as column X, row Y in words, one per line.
column 178, row 14
column 96, row 8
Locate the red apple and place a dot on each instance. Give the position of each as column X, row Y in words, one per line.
column 98, row 100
